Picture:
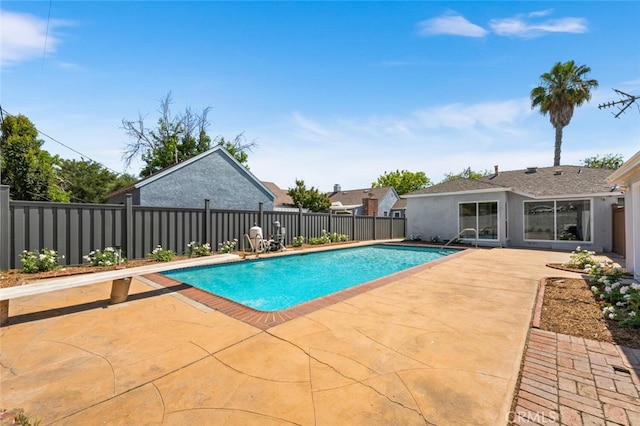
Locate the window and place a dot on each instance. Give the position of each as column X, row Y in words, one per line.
column 482, row 216
column 560, row 220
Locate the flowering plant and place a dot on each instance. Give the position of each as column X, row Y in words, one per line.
column 327, row 238
column 620, row 300
column 45, row 260
column 197, row 249
column 107, row 257
column 227, row 246
column 581, row 259
column 161, row 255
column 297, row 241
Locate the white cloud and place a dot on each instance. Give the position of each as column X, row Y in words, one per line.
column 529, row 27
column 485, row 115
column 450, row 24
column 23, row 37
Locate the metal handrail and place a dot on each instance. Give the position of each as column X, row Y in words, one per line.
column 462, row 232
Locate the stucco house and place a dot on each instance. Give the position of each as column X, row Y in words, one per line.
column 548, row 207
column 627, row 177
column 364, row 202
column 214, row 175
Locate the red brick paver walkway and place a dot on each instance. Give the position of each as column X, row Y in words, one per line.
column 569, row 380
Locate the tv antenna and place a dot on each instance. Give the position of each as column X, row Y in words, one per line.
column 625, row 103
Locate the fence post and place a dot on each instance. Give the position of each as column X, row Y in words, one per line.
column 5, row 231
column 260, row 213
column 300, row 231
column 353, row 225
column 128, row 226
column 374, row 227
column 391, row 227
column 207, row 222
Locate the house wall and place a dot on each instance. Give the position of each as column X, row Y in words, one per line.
column 601, row 225
column 386, row 203
column 429, row 217
column 632, row 231
column 214, row 177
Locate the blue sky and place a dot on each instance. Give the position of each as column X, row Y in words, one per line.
column 331, row 92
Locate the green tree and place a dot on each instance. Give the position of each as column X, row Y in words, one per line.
column 175, row 139
column 88, row 181
column 310, row 198
column 467, row 173
column 607, row 161
column 403, row 181
column 26, row 168
column 559, row 92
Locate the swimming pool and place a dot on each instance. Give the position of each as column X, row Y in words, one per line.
column 281, row 282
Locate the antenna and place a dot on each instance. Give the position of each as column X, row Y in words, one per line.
column 626, row 102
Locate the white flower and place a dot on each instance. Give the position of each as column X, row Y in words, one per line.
column 594, row 289
column 632, row 314
column 607, row 289
column 624, row 289
column 612, row 316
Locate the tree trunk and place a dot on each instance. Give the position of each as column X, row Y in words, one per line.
column 556, row 156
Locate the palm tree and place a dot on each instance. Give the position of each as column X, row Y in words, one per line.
column 560, row 91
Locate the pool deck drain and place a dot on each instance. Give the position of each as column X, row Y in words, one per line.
column 441, row 345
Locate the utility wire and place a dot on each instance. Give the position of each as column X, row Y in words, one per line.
column 4, row 111
column 46, row 38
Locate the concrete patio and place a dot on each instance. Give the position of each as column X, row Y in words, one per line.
column 439, row 346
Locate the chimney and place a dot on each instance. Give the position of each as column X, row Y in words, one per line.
column 370, row 206
column 495, row 170
column 532, row 169
column 336, row 187
column 557, row 171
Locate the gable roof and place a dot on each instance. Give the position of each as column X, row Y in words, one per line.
column 534, row 182
column 171, row 169
column 354, row 197
column 282, row 198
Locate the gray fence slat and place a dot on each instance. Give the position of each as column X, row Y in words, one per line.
column 75, row 229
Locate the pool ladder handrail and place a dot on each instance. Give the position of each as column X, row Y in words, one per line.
column 462, row 232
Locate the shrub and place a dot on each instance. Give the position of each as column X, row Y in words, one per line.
column 45, row 260
column 581, row 259
column 161, row 255
column 619, row 301
column 107, row 257
column 227, row 246
column 197, row 249
column 327, row 238
column 297, row 241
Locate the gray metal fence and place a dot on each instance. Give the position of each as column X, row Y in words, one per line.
column 74, row 230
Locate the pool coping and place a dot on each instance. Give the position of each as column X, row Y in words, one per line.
column 267, row 319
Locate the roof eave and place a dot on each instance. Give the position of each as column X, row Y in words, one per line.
column 439, row 194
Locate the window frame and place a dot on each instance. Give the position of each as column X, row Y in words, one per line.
column 497, row 224
column 555, row 220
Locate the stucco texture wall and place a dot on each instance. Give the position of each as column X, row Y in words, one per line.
column 601, row 226
column 214, row 177
column 438, row 216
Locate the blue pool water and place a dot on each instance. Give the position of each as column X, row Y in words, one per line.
column 282, row 282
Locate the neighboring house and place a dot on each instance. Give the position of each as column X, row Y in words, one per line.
column 365, row 202
column 550, row 207
column 214, row 175
column 283, row 201
column 399, row 208
column 627, row 177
